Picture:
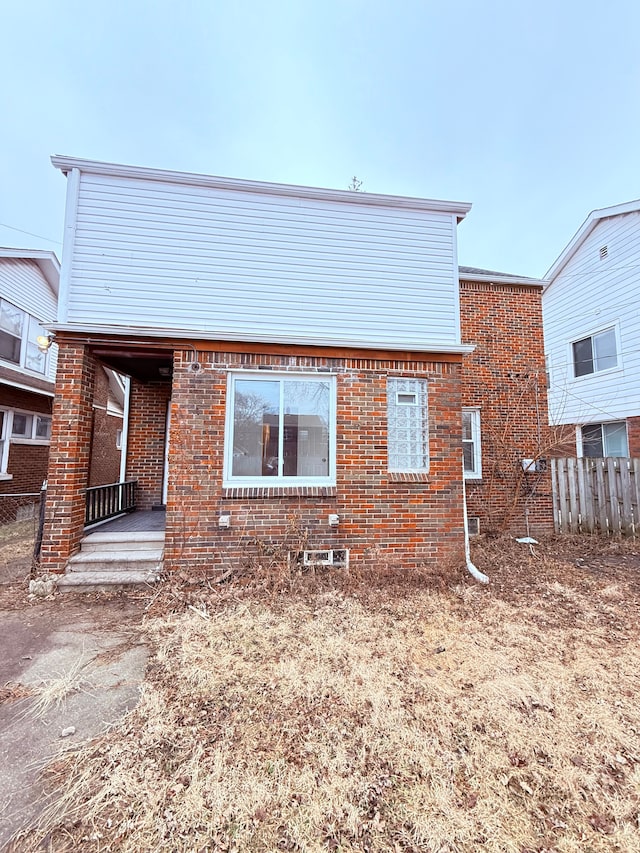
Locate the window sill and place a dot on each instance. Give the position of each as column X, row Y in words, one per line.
column 473, row 478
column 409, row 477
column 265, row 492
column 16, row 439
column 610, row 371
column 4, row 477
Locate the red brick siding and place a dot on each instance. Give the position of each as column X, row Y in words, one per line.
column 69, row 454
column 145, row 441
column 105, row 457
column 401, row 523
column 505, row 378
column 27, row 462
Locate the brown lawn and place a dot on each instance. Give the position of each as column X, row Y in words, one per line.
column 378, row 713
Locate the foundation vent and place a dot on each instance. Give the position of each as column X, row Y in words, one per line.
column 474, row 525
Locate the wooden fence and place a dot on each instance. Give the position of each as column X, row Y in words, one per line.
column 596, row 496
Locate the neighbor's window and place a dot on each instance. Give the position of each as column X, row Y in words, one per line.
column 407, row 424
column 595, row 353
column 280, row 429
column 600, row 440
column 18, row 334
column 30, row 427
column 471, row 443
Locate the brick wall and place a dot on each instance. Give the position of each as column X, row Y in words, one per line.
column 383, row 518
column 505, row 378
column 69, row 454
column 27, row 462
column 105, row 457
column 146, row 440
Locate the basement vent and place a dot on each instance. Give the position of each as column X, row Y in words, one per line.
column 336, row 558
column 604, row 251
column 473, row 523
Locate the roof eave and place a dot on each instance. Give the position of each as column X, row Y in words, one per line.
column 583, row 232
column 521, row 281
column 47, row 262
column 66, row 164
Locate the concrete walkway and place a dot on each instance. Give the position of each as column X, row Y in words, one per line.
column 97, row 648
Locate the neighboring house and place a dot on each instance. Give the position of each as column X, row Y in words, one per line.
column 592, row 328
column 28, row 299
column 505, row 403
column 296, row 366
column 29, row 281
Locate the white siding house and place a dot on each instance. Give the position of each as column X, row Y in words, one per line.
column 217, row 258
column 592, row 329
column 28, row 301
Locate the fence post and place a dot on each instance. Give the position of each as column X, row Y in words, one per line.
column 38, row 543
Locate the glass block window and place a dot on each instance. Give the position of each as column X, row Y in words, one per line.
column 407, row 424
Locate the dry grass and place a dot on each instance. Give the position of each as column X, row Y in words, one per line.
column 54, row 691
column 380, row 718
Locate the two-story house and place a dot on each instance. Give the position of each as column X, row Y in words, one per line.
column 592, row 328
column 295, row 359
column 28, row 299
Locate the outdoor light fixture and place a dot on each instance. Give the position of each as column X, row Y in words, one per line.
column 44, row 342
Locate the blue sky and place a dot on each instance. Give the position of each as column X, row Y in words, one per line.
column 528, row 110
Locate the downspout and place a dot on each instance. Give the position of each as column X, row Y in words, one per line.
column 473, row 571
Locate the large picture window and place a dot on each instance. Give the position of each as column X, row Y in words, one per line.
column 407, row 425
column 280, row 429
column 18, row 338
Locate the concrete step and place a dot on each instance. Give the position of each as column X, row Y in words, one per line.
column 138, row 541
column 104, row 581
column 116, row 561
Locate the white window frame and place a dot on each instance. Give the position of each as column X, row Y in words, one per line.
column 25, row 340
column 611, row 327
column 602, row 425
column 230, row 480
column 476, row 441
column 32, row 437
column 5, row 433
column 394, row 402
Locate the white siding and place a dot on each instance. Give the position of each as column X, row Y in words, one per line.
column 591, row 294
column 23, row 284
column 240, row 265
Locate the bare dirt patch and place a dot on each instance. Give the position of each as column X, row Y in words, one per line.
column 378, row 713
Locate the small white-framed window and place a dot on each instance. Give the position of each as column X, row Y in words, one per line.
column 19, row 332
column 606, row 439
column 471, row 443
column 28, row 427
column 407, row 425
column 595, row 353
column 118, row 439
column 280, row 430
